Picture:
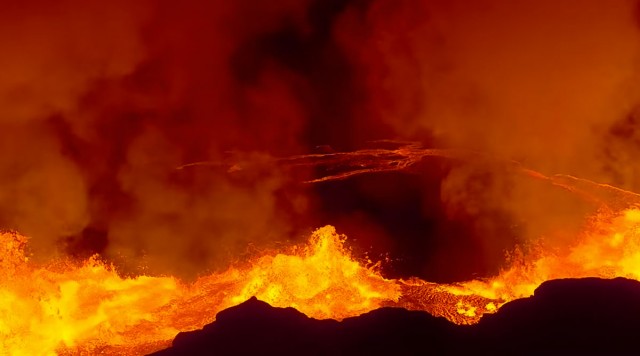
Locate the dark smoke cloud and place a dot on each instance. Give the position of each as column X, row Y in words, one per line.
column 538, row 81
column 101, row 101
column 551, row 84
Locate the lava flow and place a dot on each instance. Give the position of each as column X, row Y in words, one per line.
column 66, row 307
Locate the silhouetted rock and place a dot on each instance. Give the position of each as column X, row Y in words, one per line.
column 583, row 316
column 572, row 316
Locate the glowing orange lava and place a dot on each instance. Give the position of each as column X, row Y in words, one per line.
column 64, row 308
column 608, row 248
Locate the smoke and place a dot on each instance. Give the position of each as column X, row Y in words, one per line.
column 537, row 81
column 551, row 84
column 101, row 101
column 208, row 87
column 52, row 53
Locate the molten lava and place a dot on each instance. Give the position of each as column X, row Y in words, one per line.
column 64, row 307
column 67, row 307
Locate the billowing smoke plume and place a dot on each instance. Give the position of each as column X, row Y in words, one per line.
column 52, row 55
column 537, row 81
column 102, row 101
column 551, row 84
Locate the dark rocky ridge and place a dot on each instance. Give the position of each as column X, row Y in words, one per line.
column 570, row 316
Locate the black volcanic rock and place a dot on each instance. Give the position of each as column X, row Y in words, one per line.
column 572, row 316
column 251, row 327
column 587, row 316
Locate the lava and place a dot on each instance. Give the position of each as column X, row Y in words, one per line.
column 101, row 101
column 66, row 307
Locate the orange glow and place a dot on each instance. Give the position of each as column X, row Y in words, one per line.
column 64, row 307
column 608, row 248
column 177, row 133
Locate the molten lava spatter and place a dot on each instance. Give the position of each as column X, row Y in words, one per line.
column 45, row 308
column 67, row 308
